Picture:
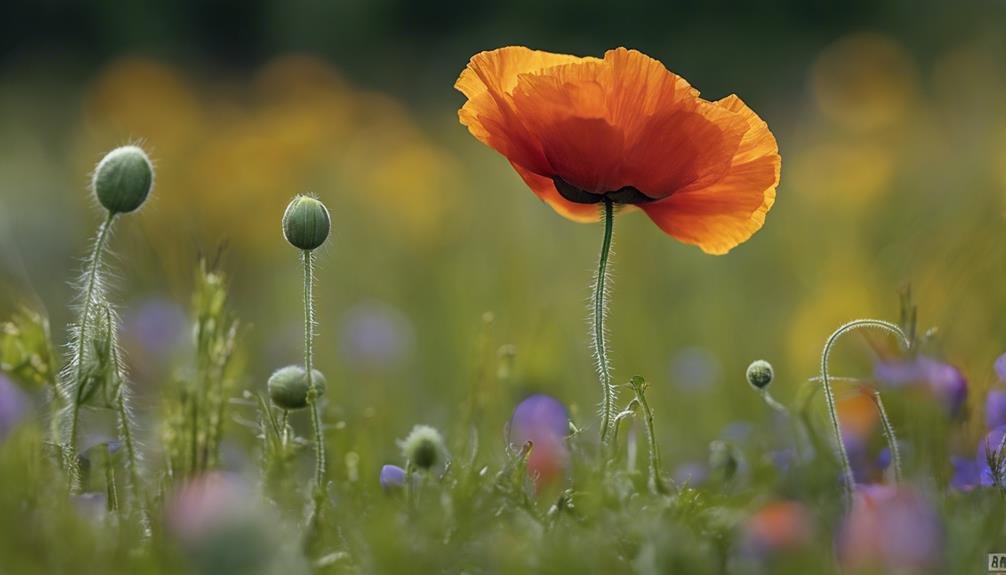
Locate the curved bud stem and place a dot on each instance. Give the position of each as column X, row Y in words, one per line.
column 802, row 442
column 92, row 283
column 829, row 396
column 629, row 411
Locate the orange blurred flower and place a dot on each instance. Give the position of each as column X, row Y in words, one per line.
column 624, row 129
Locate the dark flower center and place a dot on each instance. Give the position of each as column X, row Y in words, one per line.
column 623, row 195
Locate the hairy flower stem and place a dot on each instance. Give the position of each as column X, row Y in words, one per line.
column 312, row 393
column 892, row 440
column 132, row 460
column 600, row 305
column 80, row 345
column 829, row 396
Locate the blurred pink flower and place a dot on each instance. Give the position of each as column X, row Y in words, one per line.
column 223, row 528
column 543, row 420
column 206, row 503
column 778, row 526
column 890, row 529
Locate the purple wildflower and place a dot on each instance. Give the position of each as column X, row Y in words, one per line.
column 947, row 384
column 392, row 477
column 13, row 406
column 967, row 473
column 375, row 335
column 692, row 473
column 544, row 421
column 153, row 330
column 738, row 432
column 1000, row 367
column 694, row 369
column 868, row 465
column 989, row 446
column 995, row 408
column 157, row 324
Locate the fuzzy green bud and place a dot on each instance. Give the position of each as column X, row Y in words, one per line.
column 424, row 447
column 760, row 374
column 288, row 386
column 306, row 223
column 123, row 179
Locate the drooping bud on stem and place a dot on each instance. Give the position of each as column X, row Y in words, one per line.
column 289, row 386
column 760, row 374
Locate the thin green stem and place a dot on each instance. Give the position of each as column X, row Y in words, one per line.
column 656, row 481
column 892, row 441
column 829, row 395
column 111, row 492
column 284, row 420
column 629, row 411
column 600, row 305
column 313, row 393
column 801, row 441
column 126, row 435
column 80, row 343
column 771, row 402
column 131, row 457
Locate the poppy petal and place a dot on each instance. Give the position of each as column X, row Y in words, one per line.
column 565, row 109
column 626, row 121
column 545, row 189
column 684, row 149
column 674, row 140
column 488, row 81
column 721, row 215
column 640, row 87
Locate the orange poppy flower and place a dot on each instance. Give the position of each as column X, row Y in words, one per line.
column 624, row 129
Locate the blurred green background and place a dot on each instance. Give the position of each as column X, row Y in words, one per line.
column 891, row 120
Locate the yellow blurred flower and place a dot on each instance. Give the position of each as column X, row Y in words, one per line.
column 846, row 290
column 847, row 174
column 141, row 99
column 230, row 155
column 405, row 183
column 864, row 81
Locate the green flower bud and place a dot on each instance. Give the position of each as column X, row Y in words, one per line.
column 123, row 179
column 306, row 223
column 760, row 374
column 424, row 447
column 288, row 386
